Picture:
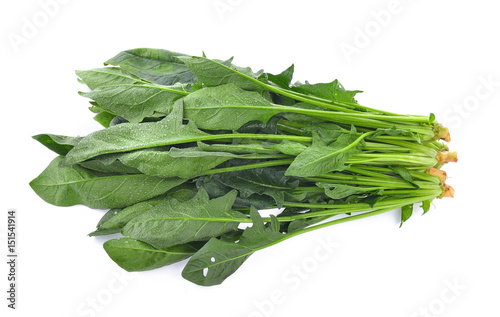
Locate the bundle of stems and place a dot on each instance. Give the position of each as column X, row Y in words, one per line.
column 192, row 148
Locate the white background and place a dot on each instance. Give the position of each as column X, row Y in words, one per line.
column 408, row 56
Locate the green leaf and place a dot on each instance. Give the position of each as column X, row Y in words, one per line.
column 123, row 94
column 226, row 107
column 132, row 255
column 104, row 118
column 299, row 224
column 115, row 219
column 283, row 79
column 183, row 163
column 270, row 127
column 405, row 174
column 332, row 91
column 426, row 206
column 289, row 147
column 73, row 185
column 154, row 65
column 219, row 259
column 327, row 132
column 242, row 148
column 215, row 188
column 392, row 131
column 172, row 222
column 134, row 136
column 371, row 200
column 217, row 73
column 406, row 212
column 58, row 143
column 115, row 166
column 268, row 181
column 107, row 216
column 320, row 158
column 339, row 191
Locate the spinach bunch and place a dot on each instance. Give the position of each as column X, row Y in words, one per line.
column 192, row 148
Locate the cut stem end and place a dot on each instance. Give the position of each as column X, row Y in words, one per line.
column 444, row 134
column 447, row 157
column 438, row 173
column 448, row 191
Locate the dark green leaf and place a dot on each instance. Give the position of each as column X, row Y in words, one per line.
column 132, row 255
column 338, row 191
column 270, row 127
column 216, row 188
column 371, row 200
column 172, row 222
column 218, row 259
column 114, row 222
column 243, row 148
column 58, row 143
column 115, row 166
column 289, row 147
column 73, row 185
column 320, row 158
column 122, row 94
column 104, row 118
column 283, row 79
column 217, row 73
column 426, row 206
column 269, row 181
column 183, row 163
column 327, row 132
column 226, row 107
column 392, row 131
column 332, row 91
column 405, row 174
column 406, row 212
column 154, row 65
column 134, row 136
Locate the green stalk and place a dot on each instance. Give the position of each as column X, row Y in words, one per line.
column 396, row 183
column 392, row 159
column 357, row 207
column 248, row 166
column 325, row 103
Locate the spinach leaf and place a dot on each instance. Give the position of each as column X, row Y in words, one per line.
column 216, row 73
column 134, row 136
column 283, row 79
column 183, row 163
column 226, row 107
column 338, row 191
column 331, row 91
column 405, row 174
column 270, row 127
column 289, row 147
column 218, row 259
column 73, row 185
column 216, row 188
column 406, row 212
column 58, row 143
column 172, row 222
column 154, row 65
column 104, row 118
column 320, row 158
column 392, row 131
column 242, row 148
column 115, row 166
column 122, row 94
column 268, row 181
column 115, row 219
column 133, row 255
column 426, row 206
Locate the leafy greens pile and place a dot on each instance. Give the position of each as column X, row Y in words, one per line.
column 192, row 148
